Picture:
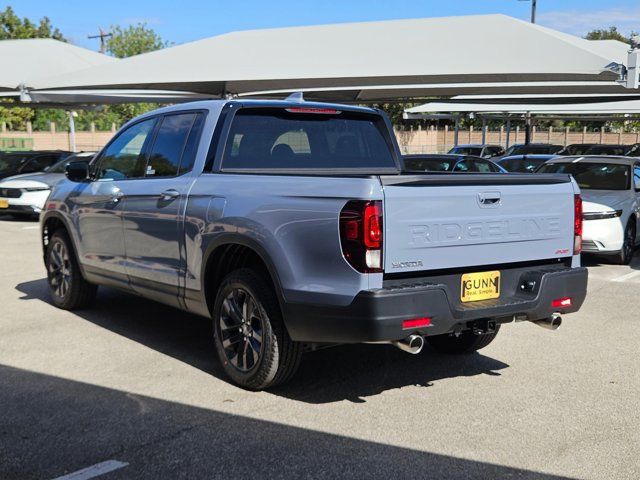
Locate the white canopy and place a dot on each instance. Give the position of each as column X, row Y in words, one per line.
column 24, row 61
column 522, row 106
column 365, row 62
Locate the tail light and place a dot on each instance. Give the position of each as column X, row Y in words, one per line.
column 361, row 235
column 577, row 224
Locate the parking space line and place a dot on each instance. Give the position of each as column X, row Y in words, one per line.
column 628, row 276
column 31, row 227
column 94, row 470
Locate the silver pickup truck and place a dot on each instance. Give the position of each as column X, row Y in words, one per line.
column 293, row 224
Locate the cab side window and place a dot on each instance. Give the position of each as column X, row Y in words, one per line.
column 124, row 157
column 169, row 145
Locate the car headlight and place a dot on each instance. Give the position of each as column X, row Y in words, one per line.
column 36, row 189
column 601, row 215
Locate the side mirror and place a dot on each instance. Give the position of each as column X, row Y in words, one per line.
column 77, row 171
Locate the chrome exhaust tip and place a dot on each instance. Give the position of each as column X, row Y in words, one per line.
column 412, row 344
column 551, row 323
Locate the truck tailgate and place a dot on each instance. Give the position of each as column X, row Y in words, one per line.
column 448, row 221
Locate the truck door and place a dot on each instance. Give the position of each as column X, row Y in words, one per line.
column 97, row 206
column 153, row 208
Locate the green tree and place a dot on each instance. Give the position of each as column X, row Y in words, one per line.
column 611, row 33
column 133, row 40
column 14, row 27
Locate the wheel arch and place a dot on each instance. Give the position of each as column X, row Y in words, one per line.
column 230, row 252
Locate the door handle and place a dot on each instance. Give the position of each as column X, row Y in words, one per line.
column 169, row 195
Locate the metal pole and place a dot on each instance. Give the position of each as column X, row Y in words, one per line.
column 456, row 131
column 533, row 11
column 527, row 128
column 508, row 130
column 484, row 131
column 72, row 131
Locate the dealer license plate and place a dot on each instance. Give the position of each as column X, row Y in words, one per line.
column 4, row 203
column 479, row 286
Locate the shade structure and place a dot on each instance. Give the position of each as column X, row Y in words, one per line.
column 362, row 62
column 75, row 98
column 483, row 105
column 24, row 61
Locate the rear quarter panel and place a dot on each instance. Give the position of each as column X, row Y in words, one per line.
column 294, row 219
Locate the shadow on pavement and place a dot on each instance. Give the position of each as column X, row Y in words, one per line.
column 348, row 372
column 594, row 260
column 19, row 219
column 51, row 426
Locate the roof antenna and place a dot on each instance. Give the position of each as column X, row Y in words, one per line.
column 295, row 97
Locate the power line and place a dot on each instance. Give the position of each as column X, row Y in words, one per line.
column 102, row 36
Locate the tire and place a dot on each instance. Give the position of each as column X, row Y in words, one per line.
column 251, row 340
column 67, row 287
column 626, row 254
column 466, row 342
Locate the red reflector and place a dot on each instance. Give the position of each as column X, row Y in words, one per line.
column 351, row 229
column 322, row 111
column 416, row 323
column 562, row 302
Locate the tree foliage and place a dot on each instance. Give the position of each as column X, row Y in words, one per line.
column 610, row 33
column 14, row 27
column 133, row 40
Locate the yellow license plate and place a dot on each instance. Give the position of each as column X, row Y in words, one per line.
column 4, row 203
column 480, row 286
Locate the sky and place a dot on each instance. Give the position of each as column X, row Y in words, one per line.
column 187, row 20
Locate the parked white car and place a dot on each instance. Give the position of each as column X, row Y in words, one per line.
column 610, row 189
column 25, row 195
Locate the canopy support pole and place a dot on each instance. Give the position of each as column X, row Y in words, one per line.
column 456, row 131
column 484, row 131
column 72, row 130
column 527, row 128
column 508, row 130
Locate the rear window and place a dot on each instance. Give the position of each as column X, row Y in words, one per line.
column 466, row 151
column 593, row 176
column 276, row 138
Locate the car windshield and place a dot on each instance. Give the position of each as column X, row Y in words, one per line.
column 466, row 151
column 522, row 165
column 529, row 149
column 428, row 164
column 593, row 176
column 607, row 150
column 12, row 161
column 575, row 149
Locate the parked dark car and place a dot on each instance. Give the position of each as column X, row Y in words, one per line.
column 450, row 163
column 533, row 148
column 523, row 163
column 484, row 151
column 15, row 163
column 615, row 150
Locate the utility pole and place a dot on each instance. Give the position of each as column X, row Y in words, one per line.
column 533, row 11
column 102, row 36
column 527, row 117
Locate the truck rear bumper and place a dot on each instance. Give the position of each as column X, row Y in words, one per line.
column 377, row 315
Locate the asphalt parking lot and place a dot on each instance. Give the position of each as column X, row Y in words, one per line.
column 137, row 384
